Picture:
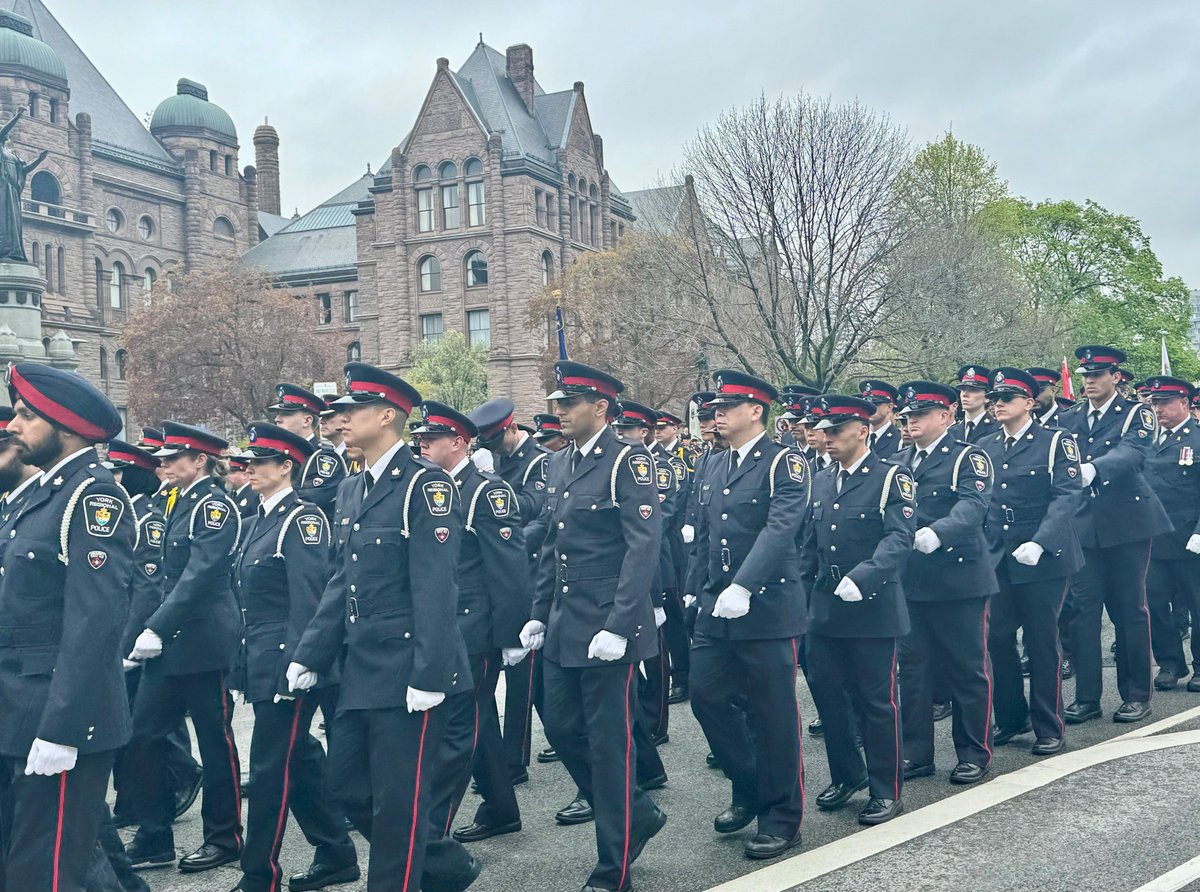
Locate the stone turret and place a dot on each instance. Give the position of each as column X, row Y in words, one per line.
column 266, row 161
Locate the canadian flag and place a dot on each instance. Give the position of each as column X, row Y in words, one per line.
column 1068, row 388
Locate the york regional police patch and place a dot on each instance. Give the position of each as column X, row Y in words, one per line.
column 1147, row 418
column 796, row 467
column 979, row 464
column 908, row 490
column 311, row 527
column 498, row 499
column 155, row 530
column 437, row 497
column 1070, row 450
column 680, row 471
column 664, row 478
column 215, row 514
column 326, row 465
column 639, row 465
column 103, row 513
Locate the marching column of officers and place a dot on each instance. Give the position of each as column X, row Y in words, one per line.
column 885, row 548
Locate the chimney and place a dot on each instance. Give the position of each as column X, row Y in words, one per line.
column 266, row 159
column 520, row 72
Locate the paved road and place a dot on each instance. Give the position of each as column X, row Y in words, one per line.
column 1102, row 828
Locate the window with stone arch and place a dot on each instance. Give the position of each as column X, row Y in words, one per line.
column 476, row 268
column 422, row 173
column 430, row 272
column 114, row 285
column 44, row 189
column 354, row 352
column 222, row 228
column 122, row 356
column 103, row 364
column 149, row 279
column 448, row 170
column 476, row 215
column 547, row 267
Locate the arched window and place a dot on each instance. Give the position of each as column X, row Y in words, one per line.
column 422, row 173
column 46, row 346
column 212, row 160
column 62, row 269
column 448, row 171
column 570, row 181
column 582, row 186
column 222, row 228
column 547, row 267
column 431, row 273
column 150, row 279
column 354, row 352
column 99, row 283
column 50, row 268
column 476, row 215
column 114, row 286
column 113, row 220
column 474, row 167
column 103, row 364
column 146, row 227
column 44, row 188
column 592, row 190
column 476, row 265
column 33, row 105
column 121, row 357
column 53, row 111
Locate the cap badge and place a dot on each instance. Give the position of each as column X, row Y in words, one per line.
column 253, row 435
column 1087, row 354
column 1157, row 385
column 999, row 377
column 970, row 373
column 280, row 392
column 349, row 381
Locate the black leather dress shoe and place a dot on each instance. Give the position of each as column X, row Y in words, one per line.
column 967, row 773
column 206, row 858
column 1165, row 680
column 318, row 876
column 1078, row 713
column 520, row 777
column 711, row 761
column 1003, row 736
column 733, row 819
column 878, row 811
column 474, row 832
column 578, row 812
column 1048, row 746
column 942, row 711
column 142, row 856
column 647, row 832
column 815, row 728
column 590, row 888
column 655, row 783
column 1193, row 684
column 837, row 795
column 1132, row 711
column 1067, row 667
column 185, row 796
column 678, row 694
column 763, row 846
column 547, row 755
column 911, row 771
column 660, row 739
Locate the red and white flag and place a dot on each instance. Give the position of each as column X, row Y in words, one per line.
column 1068, row 388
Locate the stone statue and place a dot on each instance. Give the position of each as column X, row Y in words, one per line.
column 13, row 172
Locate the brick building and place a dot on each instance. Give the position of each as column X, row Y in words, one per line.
column 497, row 187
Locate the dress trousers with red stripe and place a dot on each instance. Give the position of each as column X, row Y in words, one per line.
column 279, row 574
column 200, row 626
column 61, row 617
column 947, row 591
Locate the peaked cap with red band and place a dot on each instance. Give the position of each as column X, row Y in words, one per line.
column 368, row 384
column 1045, row 377
column 493, row 417
column 665, row 419
column 702, row 400
column 236, row 462
column 738, row 387
column 575, row 378
column 795, row 400
column 1011, row 380
column 152, row 438
column 329, row 409
column 974, row 376
column 272, row 441
column 1093, row 358
column 439, row 419
column 546, row 426
column 875, row 391
column 179, row 438
column 290, row 398
column 920, row 396
column 65, row 399
column 1126, row 375
column 1164, row 387
column 126, row 455
column 631, row 414
column 837, row 410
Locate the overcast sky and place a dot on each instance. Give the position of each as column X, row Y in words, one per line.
column 1073, row 98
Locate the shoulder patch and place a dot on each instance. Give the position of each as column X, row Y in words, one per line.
column 797, row 467
column 1147, row 418
column 499, row 500
column 664, row 478
column 151, row 569
column 326, row 465
column 311, row 528
column 639, row 465
column 216, row 513
column 979, row 464
column 680, row 471
column 1070, row 450
column 437, row 497
column 155, row 530
column 908, row 489
column 544, row 469
column 103, row 513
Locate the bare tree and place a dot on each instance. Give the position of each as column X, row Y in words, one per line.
column 210, row 347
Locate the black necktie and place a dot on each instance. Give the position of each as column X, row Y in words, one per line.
column 575, row 454
column 843, row 476
column 921, row 456
column 262, row 510
column 1093, row 417
column 970, row 428
column 872, row 440
column 1008, row 443
column 368, row 482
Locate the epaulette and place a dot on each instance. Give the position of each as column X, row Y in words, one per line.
column 412, row 485
column 615, row 468
column 491, row 480
column 887, row 486
column 533, row 463
column 64, row 529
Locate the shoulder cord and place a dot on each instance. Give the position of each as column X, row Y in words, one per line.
column 771, row 476
column 1053, row 452
column 887, row 488
column 299, row 509
column 412, row 484
column 612, row 483
column 539, row 458
column 474, row 501
column 232, row 510
column 65, row 529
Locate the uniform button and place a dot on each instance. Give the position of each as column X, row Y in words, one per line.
column 354, row 557
column 1005, row 527
column 724, row 541
column 1004, row 486
column 565, row 589
column 378, row 541
column 566, row 495
column 725, row 492
column 1004, row 467
column 355, row 528
column 353, row 588
column 408, row 634
column 30, row 555
column 561, row 524
column 91, row 728
column 723, row 517
column 836, row 506
column 562, row 557
column 281, row 647
column 1031, row 473
column 724, row 568
column 466, row 610
column 593, row 507
column 833, row 526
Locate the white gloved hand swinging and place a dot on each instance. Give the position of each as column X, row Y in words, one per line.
column 1088, row 472
column 48, row 759
column 732, row 603
column 926, row 541
column 300, row 678
column 848, row 590
column 147, row 647
column 607, row 646
column 533, row 635
column 1028, row 553
column 511, row 656
column 419, row 701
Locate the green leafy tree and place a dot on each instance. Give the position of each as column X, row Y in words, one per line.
column 948, row 183
column 450, row 372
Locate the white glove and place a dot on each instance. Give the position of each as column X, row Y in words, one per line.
column 300, row 678
column 733, row 602
column 49, row 759
column 279, row 698
column 1088, row 472
column 533, row 635
column 660, row 617
column 128, row 664
column 606, row 646
column 847, row 590
column 238, row 696
column 688, row 601
column 1028, row 553
column 147, row 647
column 926, row 541
column 1193, row 543
column 689, row 533
column 419, row 701
column 511, row 656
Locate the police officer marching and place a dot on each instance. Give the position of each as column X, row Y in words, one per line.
column 675, row 646
column 972, row 384
column 243, row 493
column 547, row 432
column 65, row 709
column 299, row 411
column 884, row 438
column 1046, row 407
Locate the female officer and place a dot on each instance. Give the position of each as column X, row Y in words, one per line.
column 279, row 574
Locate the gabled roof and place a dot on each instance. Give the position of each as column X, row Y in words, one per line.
column 269, row 224
column 484, row 81
column 113, row 124
column 657, row 208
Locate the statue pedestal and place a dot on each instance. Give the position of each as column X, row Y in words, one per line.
column 21, row 288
